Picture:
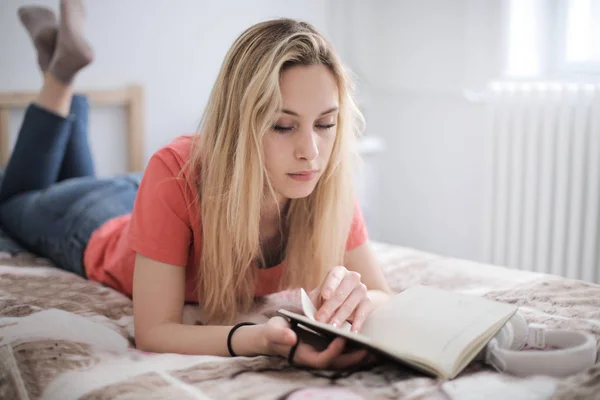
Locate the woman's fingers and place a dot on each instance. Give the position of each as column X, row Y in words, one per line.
column 360, row 314
column 350, row 359
column 349, row 306
column 278, row 332
column 307, row 355
column 350, row 281
column 333, row 357
column 330, row 358
column 335, row 276
column 325, row 358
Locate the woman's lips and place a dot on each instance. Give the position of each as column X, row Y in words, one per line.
column 304, row 176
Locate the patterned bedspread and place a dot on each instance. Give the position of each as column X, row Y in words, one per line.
column 62, row 337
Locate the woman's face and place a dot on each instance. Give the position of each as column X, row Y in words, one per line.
column 298, row 146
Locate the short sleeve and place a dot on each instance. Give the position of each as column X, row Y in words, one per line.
column 358, row 230
column 160, row 226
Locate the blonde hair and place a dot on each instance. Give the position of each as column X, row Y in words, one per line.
column 229, row 170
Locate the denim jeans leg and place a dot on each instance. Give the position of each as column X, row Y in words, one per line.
column 78, row 160
column 58, row 222
column 38, row 154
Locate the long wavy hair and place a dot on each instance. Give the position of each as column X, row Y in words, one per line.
column 230, row 180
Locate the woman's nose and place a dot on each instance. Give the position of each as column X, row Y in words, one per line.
column 306, row 146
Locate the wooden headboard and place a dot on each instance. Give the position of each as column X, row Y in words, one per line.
column 129, row 97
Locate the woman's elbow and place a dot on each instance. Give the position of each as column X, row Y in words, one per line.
column 143, row 339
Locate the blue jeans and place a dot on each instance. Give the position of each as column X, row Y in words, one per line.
column 50, row 198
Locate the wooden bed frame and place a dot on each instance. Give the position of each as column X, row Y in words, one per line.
column 129, row 97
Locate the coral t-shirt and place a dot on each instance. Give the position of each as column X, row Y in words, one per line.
column 163, row 227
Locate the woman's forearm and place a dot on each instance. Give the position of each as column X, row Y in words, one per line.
column 202, row 340
column 212, row 340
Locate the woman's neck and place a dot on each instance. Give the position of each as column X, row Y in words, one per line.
column 272, row 215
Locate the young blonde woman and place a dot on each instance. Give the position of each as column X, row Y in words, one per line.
column 259, row 201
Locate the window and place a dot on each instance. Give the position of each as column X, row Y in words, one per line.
column 582, row 32
column 552, row 39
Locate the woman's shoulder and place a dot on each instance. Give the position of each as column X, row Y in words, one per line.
column 172, row 159
column 179, row 149
column 170, row 165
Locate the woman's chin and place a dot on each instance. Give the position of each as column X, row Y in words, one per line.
column 298, row 192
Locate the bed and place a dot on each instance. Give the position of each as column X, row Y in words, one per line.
column 62, row 337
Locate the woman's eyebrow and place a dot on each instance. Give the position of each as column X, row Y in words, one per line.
column 290, row 112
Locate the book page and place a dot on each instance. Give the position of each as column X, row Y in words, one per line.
column 434, row 325
column 310, row 310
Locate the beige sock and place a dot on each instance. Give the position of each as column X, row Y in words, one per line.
column 42, row 26
column 72, row 52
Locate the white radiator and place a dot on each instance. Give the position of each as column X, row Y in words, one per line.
column 544, row 178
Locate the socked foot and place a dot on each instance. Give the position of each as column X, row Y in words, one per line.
column 42, row 26
column 72, row 52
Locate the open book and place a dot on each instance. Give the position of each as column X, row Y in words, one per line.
column 435, row 331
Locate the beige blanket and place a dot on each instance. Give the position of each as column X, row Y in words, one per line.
column 62, row 337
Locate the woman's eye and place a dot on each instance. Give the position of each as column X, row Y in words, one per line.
column 325, row 126
column 280, row 128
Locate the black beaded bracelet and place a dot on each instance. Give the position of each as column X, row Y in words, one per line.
column 235, row 327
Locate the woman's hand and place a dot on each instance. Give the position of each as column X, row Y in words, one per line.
column 342, row 296
column 279, row 338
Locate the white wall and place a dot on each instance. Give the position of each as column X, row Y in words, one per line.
column 414, row 59
column 173, row 48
